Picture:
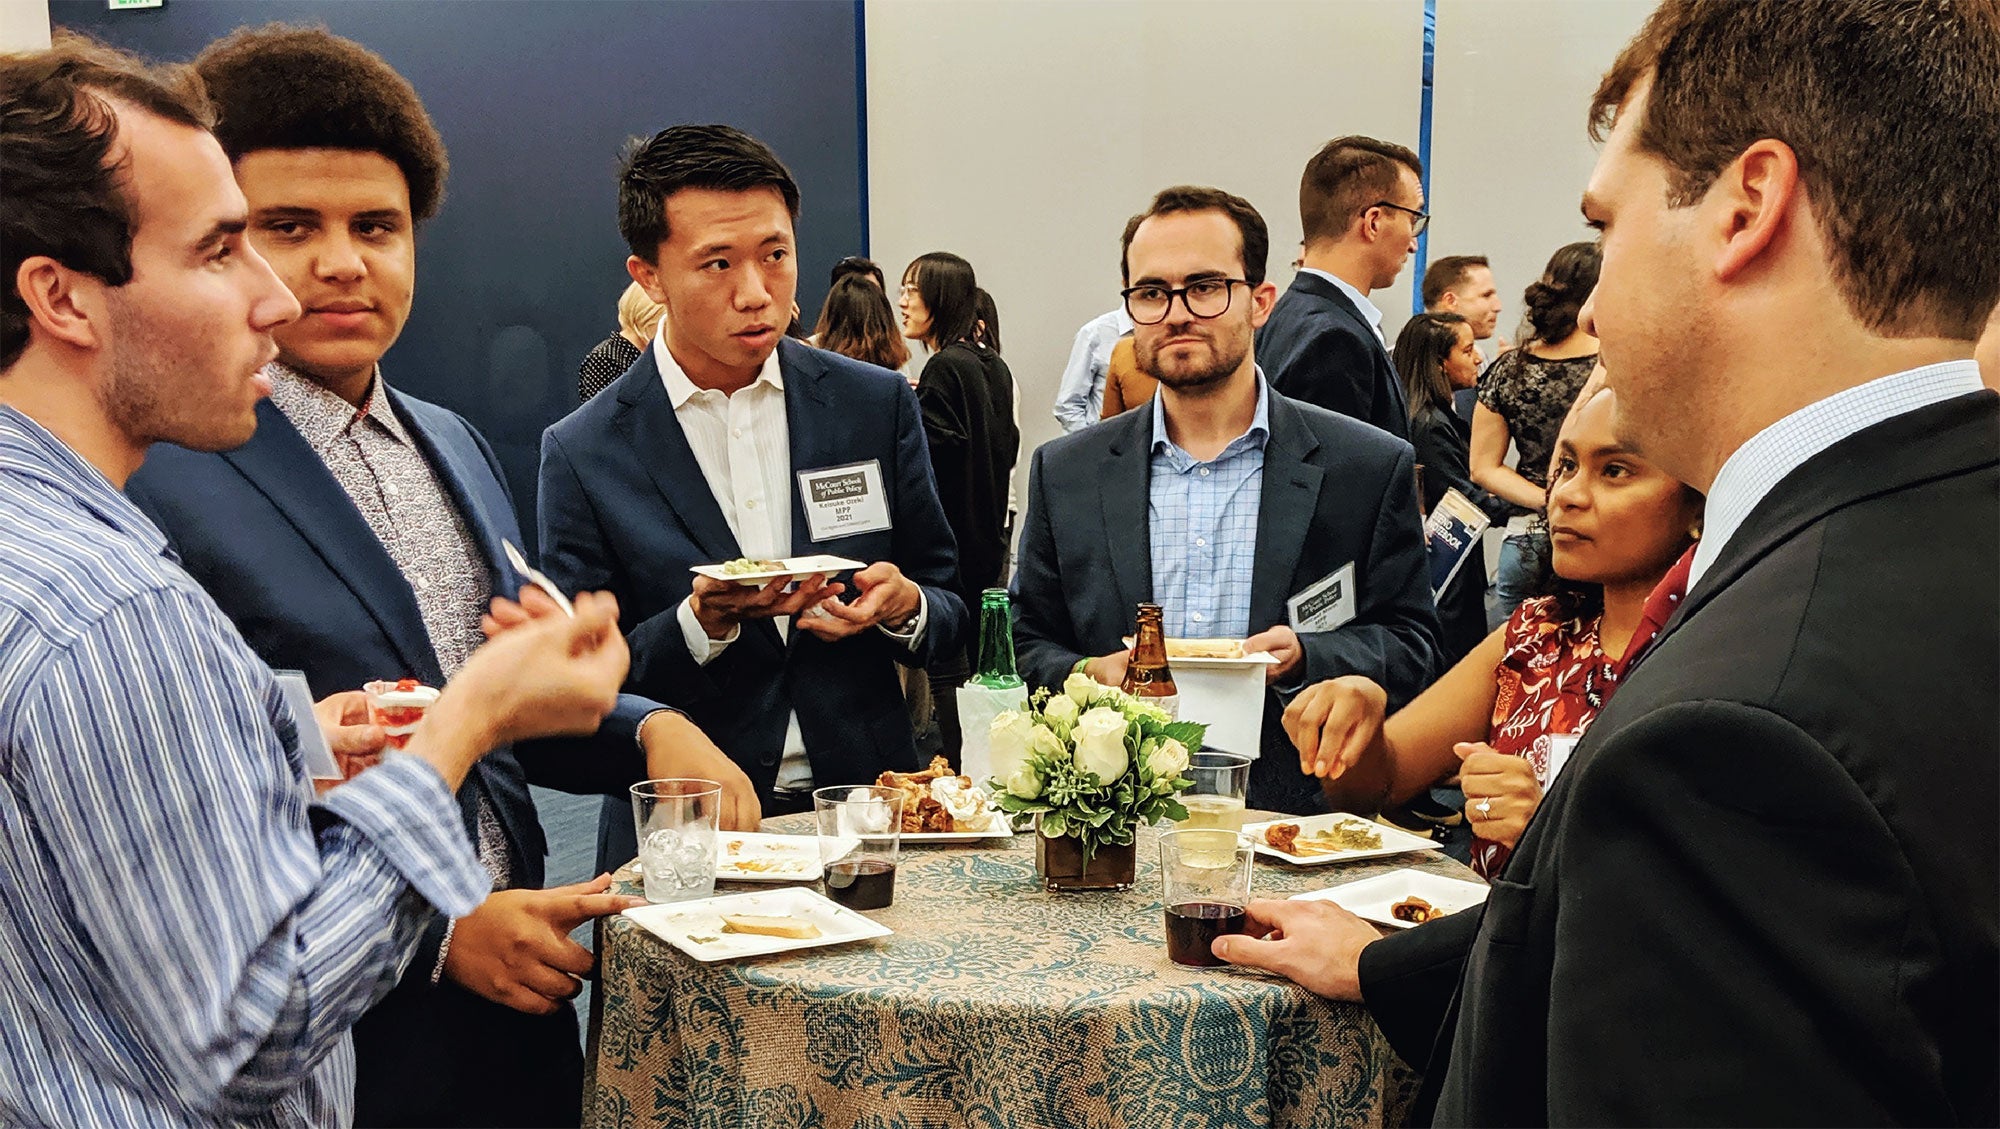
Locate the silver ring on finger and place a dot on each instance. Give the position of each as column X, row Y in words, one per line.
column 1483, row 807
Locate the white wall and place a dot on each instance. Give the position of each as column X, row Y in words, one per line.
column 1022, row 133
column 24, row 25
column 1510, row 152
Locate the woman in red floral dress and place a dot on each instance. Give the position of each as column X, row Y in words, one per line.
column 1506, row 716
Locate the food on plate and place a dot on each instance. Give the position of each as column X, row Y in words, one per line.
column 769, row 926
column 1348, row 835
column 937, row 801
column 744, row 566
column 1204, row 649
column 764, row 866
column 397, row 707
column 1416, row 911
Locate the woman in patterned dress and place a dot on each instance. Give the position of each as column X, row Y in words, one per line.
column 1505, row 716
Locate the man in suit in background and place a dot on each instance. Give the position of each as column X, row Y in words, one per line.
column 357, row 536
column 1361, row 202
column 722, row 442
column 1748, row 898
column 1222, row 501
column 1463, row 285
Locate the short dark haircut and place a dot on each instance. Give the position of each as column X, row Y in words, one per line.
column 857, row 266
column 1419, row 356
column 950, row 292
column 1554, row 301
column 286, row 87
column 856, row 321
column 1893, row 108
column 1256, row 246
column 1345, row 178
column 987, row 331
column 65, row 196
column 691, row 156
column 1446, row 273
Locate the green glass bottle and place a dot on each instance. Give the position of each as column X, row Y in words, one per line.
column 995, row 669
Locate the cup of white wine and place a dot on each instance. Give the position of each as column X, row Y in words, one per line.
column 1215, row 799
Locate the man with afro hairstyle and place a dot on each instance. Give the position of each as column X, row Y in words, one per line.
column 358, row 536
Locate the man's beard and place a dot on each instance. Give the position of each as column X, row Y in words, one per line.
column 1228, row 357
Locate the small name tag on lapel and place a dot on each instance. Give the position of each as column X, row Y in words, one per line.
column 842, row 501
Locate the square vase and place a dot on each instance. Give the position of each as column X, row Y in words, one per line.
column 1060, row 863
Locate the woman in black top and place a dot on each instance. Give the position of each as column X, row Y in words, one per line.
column 967, row 397
column 638, row 317
column 1436, row 357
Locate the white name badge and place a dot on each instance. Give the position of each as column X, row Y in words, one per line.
column 320, row 763
column 842, row 501
column 1560, row 749
column 1324, row 605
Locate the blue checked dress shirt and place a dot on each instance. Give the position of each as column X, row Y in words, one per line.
column 186, row 935
column 1202, row 521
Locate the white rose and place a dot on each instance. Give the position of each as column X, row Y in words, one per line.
column 1081, row 688
column 1169, row 760
column 1044, row 743
column 1061, row 709
column 1008, row 742
column 1024, row 784
column 1100, row 743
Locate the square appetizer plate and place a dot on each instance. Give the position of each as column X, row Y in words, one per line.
column 1315, row 847
column 794, row 568
column 752, row 856
column 999, row 829
column 695, row 928
column 1373, row 898
column 1219, row 653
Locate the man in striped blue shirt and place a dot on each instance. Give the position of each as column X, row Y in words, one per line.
column 186, row 934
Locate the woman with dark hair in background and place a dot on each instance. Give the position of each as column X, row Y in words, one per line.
column 986, row 319
column 967, row 397
column 856, row 321
column 1436, row 356
column 638, row 317
column 1523, row 399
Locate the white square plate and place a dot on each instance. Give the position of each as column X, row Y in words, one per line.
column 695, row 928
column 795, row 568
column 1253, row 658
column 752, row 856
column 1372, row 897
column 1394, row 842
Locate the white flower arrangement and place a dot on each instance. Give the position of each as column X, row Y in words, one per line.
column 1092, row 762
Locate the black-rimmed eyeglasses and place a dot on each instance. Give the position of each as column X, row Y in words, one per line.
column 1419, row 220
column 1149, row 302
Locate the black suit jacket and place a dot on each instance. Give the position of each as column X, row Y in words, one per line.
column 1334, row 492
column 273, row 537
column 1318, row 348
column 625, row 508
column 1766, row 889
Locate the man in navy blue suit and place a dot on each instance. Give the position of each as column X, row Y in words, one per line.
column 1361, row 202
column 1244, row 514
column 357, row 536
column 725, row 441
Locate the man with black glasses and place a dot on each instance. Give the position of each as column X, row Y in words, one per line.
column 1244, row 514
column 1361, row 202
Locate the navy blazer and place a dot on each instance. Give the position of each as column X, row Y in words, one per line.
column 625, row 508
column 275, row 540
column 1317, row 347
column 1335, row 492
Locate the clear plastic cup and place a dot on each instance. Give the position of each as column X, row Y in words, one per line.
column 677, row 821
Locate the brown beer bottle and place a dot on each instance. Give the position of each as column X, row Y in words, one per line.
column 1147, row 674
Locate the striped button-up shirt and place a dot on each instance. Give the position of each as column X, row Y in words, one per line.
column 186, row 935
column 1202, row 521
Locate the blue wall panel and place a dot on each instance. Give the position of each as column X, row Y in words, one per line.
column 518, row 274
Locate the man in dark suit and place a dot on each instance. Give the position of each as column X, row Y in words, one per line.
column 357, row 537
column 1362, row 204
column 724, row 442
column 1748, row 898
column 1240, row 512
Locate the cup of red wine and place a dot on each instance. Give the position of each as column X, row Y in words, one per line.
column 1205, row 886
column 860, row 829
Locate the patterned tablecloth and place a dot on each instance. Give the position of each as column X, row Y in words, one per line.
column 995, row 1005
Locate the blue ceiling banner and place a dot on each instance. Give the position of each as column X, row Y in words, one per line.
column 1424, row 152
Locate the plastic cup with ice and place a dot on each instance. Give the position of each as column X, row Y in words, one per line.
column 677, row 825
